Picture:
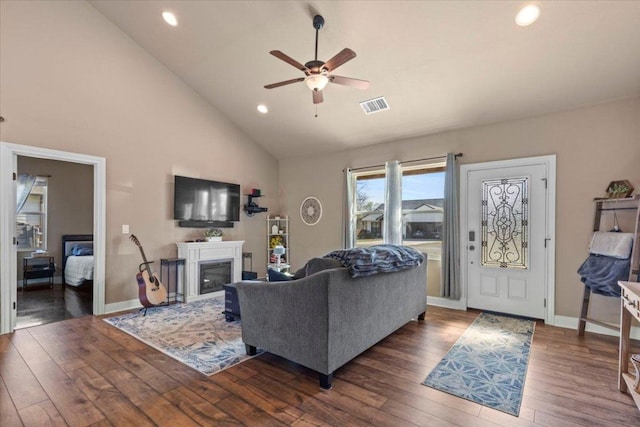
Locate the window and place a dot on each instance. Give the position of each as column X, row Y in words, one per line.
column 369, row 205
column 31, row 219
column 422, row 209
column 422, row 213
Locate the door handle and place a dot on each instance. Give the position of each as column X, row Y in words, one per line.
column 471, row 247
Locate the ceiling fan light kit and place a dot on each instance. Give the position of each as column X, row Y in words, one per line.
column 316, row 81
column 318, row 72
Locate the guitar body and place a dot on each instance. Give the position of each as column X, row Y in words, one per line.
column 150, row 290
column 150, row 294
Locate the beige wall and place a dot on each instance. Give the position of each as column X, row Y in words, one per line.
column 70, row 80
column 69, row 202
column 593, row 145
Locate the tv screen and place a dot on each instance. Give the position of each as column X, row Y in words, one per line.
column 203, row 200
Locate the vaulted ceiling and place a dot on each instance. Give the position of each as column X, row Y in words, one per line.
column 440, row 65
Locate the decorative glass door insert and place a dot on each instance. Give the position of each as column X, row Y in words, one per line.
column 505, row 213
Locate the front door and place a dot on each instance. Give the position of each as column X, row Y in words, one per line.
column 506, row 237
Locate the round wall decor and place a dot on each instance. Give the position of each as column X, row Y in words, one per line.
column 310, row 211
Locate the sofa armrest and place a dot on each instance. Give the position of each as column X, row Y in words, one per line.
column 289, row 319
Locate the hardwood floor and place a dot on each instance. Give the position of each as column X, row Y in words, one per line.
column 39, row 305
column 85, row 372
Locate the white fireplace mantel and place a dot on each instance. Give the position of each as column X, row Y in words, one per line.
column 196, row 252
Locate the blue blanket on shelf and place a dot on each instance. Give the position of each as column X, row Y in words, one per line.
column 377, row 259
column 601, row 274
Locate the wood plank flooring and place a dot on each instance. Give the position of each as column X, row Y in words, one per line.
column 82, row 372
column 39, row 304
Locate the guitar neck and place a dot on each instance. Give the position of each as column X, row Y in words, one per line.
column 146, row 263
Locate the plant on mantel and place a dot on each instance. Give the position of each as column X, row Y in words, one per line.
column 213, row 233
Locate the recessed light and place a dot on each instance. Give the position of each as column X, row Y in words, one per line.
column 170, row 18
column 528, row 15
column 263, row 109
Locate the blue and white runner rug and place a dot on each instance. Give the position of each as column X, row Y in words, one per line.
column 195, row 334
column 488, row 363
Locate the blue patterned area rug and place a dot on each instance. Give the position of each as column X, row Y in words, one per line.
column 195, row 334
column 488, row 363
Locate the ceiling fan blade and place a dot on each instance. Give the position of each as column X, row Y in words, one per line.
column 341, row 57
column 289, row 60
column 286, row 82
column 348, row 81
column 317, row 97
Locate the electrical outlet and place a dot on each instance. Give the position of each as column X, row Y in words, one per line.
column 125, row 229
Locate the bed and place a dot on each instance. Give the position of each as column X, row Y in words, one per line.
column 77, row 259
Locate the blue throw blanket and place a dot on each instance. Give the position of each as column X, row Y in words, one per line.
column 601, row 274
column 377, row 259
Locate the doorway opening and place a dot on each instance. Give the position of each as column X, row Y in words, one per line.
column 9, row 154
column 55, row 200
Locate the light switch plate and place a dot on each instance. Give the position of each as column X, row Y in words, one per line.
column 125, row 229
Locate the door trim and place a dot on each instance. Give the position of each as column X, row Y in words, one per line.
column 8, row 276
column 549, row 162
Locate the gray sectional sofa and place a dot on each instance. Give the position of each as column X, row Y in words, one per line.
column 324, row 320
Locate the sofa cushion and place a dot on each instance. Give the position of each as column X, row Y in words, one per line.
column 315, row 265
column 301, row 273
column 377, row 259
column 277, row 276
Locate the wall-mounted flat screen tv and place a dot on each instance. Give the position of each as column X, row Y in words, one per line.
column 203, row 200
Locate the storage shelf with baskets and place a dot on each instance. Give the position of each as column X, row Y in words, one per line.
column 278, row 235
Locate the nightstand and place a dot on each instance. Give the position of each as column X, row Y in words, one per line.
column 38, row 268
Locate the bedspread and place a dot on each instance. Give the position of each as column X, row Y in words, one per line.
column 78, row 269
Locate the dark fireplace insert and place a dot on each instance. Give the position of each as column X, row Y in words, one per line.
column 214, row 275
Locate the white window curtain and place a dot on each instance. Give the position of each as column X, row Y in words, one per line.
column 450, row 287
column 348, row 220
column 25, row 184
column 392, row 233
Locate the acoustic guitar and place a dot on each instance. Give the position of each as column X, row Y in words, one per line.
column 150, row 290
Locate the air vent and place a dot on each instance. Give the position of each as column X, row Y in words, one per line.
column 374, row 105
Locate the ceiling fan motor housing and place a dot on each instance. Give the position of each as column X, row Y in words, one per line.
column 315, row 67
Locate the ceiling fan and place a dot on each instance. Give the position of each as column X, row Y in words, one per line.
column 318, row 73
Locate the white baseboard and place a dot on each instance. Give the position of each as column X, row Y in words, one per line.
column 572, row 323
column 122, row 306
column 447, row 303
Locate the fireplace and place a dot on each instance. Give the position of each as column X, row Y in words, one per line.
column 208, row 267
column 214, row 275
